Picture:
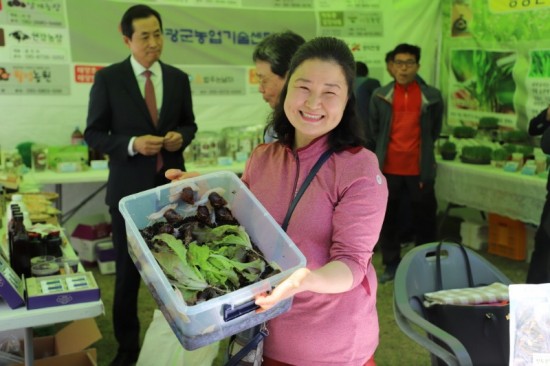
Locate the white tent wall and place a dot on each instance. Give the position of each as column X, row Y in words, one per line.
column 419, row 23
column 51, row 118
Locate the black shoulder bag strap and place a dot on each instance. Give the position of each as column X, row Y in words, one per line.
column 304, row 186
column 253, row 343
column 438, row 279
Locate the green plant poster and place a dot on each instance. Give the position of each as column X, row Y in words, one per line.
column 495, row 61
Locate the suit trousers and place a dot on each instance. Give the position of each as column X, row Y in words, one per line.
column 423, row 210
column 127, row 282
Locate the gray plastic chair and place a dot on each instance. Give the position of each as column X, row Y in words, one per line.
column 416, row 275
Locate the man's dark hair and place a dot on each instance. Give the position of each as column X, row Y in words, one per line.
column 407, row 48
column 348, row 132
column 389, row 57
column 136, row 12
column 277, row 49
column 361, row 69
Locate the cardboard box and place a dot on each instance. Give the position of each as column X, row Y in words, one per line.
column 209, row 321
column 67, row 158
column 105, row 253
column 474, row 235
column 86, row 249
column 61, row 290
column 92, row 232
column 87, row 234
column 11, row 285
column 69, row 346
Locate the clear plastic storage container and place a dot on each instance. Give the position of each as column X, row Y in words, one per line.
column 220, row 317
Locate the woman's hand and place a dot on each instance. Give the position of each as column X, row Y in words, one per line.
column 332, row 278
column 176, row 174
column 288, row 288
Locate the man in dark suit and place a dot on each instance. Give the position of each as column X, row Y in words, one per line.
column 364, row 87
column 144, row 130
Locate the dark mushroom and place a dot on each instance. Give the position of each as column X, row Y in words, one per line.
column 172, row 216
column 216, row 200
column 224, row 216
column 188, row 195
column 203, row 216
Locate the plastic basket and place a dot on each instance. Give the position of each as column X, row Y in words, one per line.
column 207, row 322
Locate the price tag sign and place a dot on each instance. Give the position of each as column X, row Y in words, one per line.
column 511, row 166
column 505, row 6
column 528, row 170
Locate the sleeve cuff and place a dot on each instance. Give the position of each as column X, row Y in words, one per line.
column 131, row 151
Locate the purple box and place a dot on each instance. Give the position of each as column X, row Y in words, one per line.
column 11, row 285
column 59, row 290
column 105, row 252
column 92, row 232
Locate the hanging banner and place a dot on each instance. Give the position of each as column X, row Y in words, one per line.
column 502, row 6
column 496, row 61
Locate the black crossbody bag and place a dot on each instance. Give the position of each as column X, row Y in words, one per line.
column 252, row 339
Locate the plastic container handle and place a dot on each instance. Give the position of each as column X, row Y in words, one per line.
column 231, row 312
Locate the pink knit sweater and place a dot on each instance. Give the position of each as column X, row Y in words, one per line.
column 338, row 218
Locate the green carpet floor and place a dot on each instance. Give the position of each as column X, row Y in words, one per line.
column 395, row 348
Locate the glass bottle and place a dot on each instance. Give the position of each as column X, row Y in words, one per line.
column 77, row 138
column 20, row 259
column 53, row 244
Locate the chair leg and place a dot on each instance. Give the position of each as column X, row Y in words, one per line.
column 483, row 216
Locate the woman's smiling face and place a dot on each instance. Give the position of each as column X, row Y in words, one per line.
column 316, row 98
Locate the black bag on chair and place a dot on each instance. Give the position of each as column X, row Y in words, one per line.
column 482, row 329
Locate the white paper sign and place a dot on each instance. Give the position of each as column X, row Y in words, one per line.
column 530, row 325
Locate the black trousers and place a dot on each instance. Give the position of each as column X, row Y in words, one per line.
column 127, row 282
column 423, row 209
column 539, row 267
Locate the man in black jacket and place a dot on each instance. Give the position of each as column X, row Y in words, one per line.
column 142, row 139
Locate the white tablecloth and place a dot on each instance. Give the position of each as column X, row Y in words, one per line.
column 486, row 188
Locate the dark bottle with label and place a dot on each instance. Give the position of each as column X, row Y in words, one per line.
column 53, row 242
column 20, row 259
column 77, row 137
column 14, row 209
column 35, row 246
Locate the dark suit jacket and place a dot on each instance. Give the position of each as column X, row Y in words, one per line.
column 117, row 112
column 364, row 87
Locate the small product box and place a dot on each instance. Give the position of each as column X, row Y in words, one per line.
column 474, row 235
column 87, row 249
column 11, row 285
column 86, row 237
column 58, row 290
column 209, row 321
column 105, row 254
column 94, row 231
column 67, row 158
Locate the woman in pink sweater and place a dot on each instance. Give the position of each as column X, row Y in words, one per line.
column 333, row 319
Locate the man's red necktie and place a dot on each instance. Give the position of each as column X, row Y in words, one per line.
column 151, row 102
